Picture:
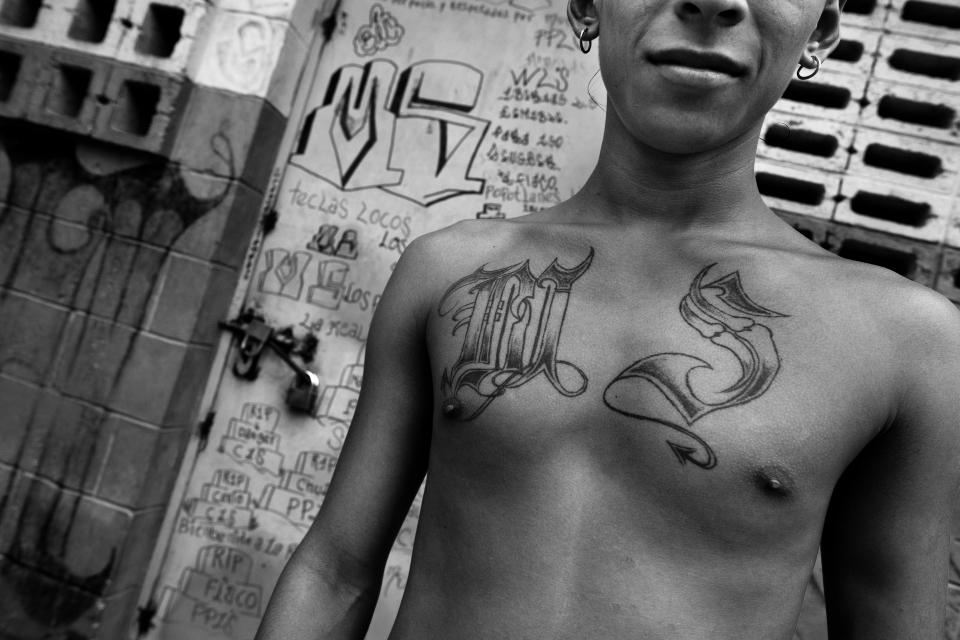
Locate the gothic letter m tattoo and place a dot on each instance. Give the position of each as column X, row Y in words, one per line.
column 512, row 323
column 721, row 312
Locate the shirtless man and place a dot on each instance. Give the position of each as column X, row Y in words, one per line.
column 644, row 410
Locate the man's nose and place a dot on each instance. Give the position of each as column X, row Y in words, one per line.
column 714, row 12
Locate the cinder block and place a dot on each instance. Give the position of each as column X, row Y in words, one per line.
column 223, row 235
column 304, row 16
column 27, row 448
column 193, row 296
column 142, row 108
column 854, row 54
column 28, row 20
column 921, row 62
column 117, row 618
column 23, row 13
column 15, row 499
column 938, row 19
column 128, row 464
column 34, row 328
column 787, row 188
column 57, row 261
column 911, row 110
column 188, row 390
column 920, row 215
column 36, row 605
column 167, row 457
column 65, row 95
column 953, row 229
column 67, row 443
column 62, row 532
column 6, row 478
column 285, row 74
column 249, row 54
column 14, row 227
column 948, row 283
column 89, row 26
column 19, row 402
column 952, row 623
column 126, row 277
column 90, row 20
column 806, row 142
column 95, row 354
column 21, row 65
column 145, row 387
column 98, row 531
column 827, row 98
column 229, row 135
column 95, row 27
column 137, row 549
column 901, row 159
column 865, row 14
column 163, row 35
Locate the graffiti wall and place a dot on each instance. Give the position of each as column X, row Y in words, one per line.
column 410, row 124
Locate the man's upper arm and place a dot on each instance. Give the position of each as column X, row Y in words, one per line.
column 886, row 539
column 384, row 457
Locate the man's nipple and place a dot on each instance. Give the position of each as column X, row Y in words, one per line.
column 775, row 480
column 451, row 408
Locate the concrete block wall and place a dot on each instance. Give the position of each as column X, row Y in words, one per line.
column 123, row 70
column 129, row 191
column 864, row 160
column 865, row 156
column 114, row 269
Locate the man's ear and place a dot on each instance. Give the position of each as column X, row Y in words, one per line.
column 826, row 36
column 582, row 15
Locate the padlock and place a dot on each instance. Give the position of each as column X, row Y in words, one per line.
column 304, row 392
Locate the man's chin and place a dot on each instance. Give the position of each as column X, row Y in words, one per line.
column 685, row 139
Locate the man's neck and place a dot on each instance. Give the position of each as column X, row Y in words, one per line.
column 634, row 184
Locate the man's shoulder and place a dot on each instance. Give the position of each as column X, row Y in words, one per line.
column 917, row 328
column 470, row 236
column 433, row 260
column 908, row 309
column 882, row 294
column 461, row 247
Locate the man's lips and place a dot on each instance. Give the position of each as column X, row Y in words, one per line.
column 709, row 60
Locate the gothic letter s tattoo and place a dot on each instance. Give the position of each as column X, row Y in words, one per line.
column 722, row 312
column 513, row 321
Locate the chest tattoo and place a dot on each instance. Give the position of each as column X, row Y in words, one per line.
column 721, row 312
column 511, row 322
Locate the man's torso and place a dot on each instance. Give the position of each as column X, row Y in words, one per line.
column 635, row 438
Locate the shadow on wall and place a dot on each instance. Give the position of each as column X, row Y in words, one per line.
column 85, row 231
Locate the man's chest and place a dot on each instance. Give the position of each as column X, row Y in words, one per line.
column 710, row 376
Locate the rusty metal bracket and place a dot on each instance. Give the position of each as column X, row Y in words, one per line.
column 254, row 334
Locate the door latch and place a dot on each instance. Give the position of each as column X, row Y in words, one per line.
column 303, row 394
